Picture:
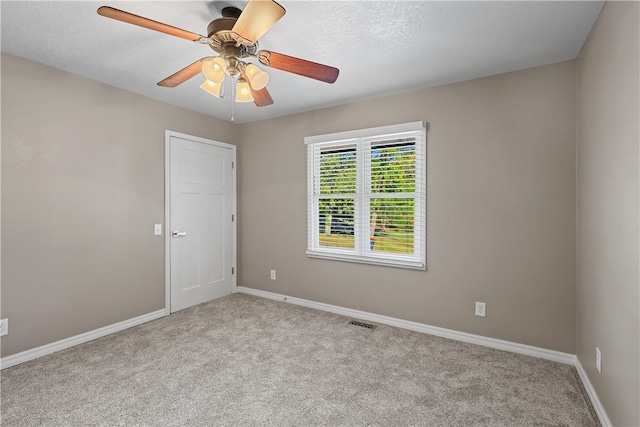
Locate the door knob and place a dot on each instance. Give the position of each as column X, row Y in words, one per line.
column 178, row 233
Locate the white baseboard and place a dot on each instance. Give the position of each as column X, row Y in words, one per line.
column 595, row 401
column 34, row 353
column 528, row 350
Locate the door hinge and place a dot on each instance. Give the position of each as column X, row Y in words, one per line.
column 233, row 165
column 233, row 270
column 233, row 218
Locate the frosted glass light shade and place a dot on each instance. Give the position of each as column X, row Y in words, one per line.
column 243, row 91
column 211, row 87
column 257, row 77
column 213, row 69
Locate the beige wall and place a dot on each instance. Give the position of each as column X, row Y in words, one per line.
column 608, row 210
column 501, row 209
column 82, row 186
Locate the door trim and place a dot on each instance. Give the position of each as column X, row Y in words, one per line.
column 167, row 211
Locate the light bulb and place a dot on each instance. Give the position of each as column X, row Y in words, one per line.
column 243, row 91
column 213, row 69
column 211, row 87
column 257, row 77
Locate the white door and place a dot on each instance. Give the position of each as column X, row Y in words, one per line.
column 201, row 232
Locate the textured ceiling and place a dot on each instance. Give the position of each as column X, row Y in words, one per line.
column 380, row 47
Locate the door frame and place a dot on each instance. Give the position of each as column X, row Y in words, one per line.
column 167, row 210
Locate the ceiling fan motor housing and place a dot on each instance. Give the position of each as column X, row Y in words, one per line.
column 219, row 30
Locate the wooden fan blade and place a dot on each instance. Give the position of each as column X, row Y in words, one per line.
column 183, row 75
column 255, row 20
column 130, row 18
column 298, row 66
column 261, row 97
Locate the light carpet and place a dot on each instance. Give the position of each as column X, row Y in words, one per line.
column 248, row 361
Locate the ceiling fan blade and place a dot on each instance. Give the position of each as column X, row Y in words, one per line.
column 261, row 97
column 256, row 19
column 183, row 75
column 298, row 66
column 130, row 18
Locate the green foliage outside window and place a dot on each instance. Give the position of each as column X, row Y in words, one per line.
column 391, row 212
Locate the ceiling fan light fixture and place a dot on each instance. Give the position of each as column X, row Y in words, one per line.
column 257, row 77
column 243, row 91
column 211, row 87
column 214, row 69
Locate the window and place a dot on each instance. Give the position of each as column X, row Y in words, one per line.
column 366, row 195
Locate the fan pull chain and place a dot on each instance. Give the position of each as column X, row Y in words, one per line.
column 233, row 100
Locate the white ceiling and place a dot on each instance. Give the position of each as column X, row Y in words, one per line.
column 380, row 47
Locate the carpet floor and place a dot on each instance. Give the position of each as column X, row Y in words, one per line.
column 248, row 361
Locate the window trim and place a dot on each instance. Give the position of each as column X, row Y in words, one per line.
column 350, row 137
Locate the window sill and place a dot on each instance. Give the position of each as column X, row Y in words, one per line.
column 379, row 260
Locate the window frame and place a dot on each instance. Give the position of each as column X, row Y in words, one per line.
column 361, row 139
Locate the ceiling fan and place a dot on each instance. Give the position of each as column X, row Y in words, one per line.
column 234, row 37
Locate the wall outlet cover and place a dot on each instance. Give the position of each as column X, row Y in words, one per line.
column 481, row 309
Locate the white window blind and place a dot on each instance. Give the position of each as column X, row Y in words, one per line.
column 366, row 195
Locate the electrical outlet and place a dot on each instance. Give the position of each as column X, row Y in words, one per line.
column 273, row 275
column 4, row 327
column 481, row 309
column 598, row 360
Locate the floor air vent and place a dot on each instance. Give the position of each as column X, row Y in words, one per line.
column 363, row 325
